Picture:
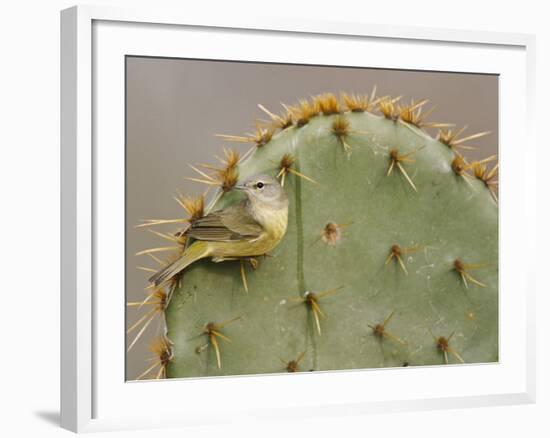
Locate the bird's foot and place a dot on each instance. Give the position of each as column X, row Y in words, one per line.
column 253, row 262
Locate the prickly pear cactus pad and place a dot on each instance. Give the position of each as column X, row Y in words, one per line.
column 390, row 258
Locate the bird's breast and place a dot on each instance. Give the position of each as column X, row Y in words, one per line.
column 275, row 223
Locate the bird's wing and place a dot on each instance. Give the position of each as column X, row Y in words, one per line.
column 230, row 224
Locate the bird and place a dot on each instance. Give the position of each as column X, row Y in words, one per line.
column 245, row 229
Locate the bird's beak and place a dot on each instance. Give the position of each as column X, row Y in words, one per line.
column 239, row 187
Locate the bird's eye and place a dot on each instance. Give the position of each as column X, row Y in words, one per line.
column 260, row 185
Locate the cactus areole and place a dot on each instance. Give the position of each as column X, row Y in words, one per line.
column 390, row 257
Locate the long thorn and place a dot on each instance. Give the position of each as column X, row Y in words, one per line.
column 200, row 172
column 316, row 317
column 141, row 332
column 214, row 343
column 159, row 374
column 329, row 292
column 473, row 280
column 406, row 175
column 153, row 222
column 455, row 354
column 472, row 137
column 203, row 181
column 148, row 370
column 161, row 249
column 220, row 335
column 390, row 168
column 141, row 303
column 223, row 324
column 243, row 276
column 301, row 175
column 317, row 309
column 164, row 236
column 390, row 316
column 464, row 280
column 395, row 338
column 139, row 321
column 400, row 260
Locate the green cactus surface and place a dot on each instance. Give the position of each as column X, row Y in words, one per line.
column 390, row 258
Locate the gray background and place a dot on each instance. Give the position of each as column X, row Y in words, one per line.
column 175, row 106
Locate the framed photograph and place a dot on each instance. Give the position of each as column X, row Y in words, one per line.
column 265, row 218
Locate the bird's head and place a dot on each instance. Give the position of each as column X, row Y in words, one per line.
column 263, row 189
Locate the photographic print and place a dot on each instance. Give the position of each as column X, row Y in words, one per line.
column 289, row 218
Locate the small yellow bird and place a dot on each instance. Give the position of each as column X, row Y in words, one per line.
column 248, row 228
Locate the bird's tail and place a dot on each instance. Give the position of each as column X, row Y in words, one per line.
column 196, row 251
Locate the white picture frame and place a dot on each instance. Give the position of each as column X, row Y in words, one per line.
column 93, row 395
